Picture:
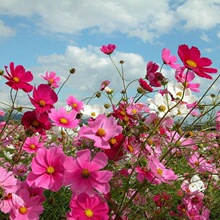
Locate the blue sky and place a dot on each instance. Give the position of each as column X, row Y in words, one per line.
column 54, row 35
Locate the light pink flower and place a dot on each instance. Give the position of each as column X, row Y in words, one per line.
column 101, row 130
column 85, row 207
column 168, row 59
column 2, row 113
column 31, row 209
column 47, row 169
column 8, row 183
column 52, row 79
column 104, row 84
column 186, row 78
column 63, row 118
column 75, row 104
column 108, row 49
column 83, row 174
column 160, row 171
column 32, row 144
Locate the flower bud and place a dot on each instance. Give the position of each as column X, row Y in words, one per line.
column 1, row 72
column 98, row 94
column 72, row 71
column 106, row 105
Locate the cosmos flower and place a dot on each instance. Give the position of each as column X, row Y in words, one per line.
column 64, row 118
column 192, row 60
column 52, row 79
column 108, row 49
column 168, row 59
column 84, row 173
column 47, row 169
column 18, row 78
column 43, row 98
column 85, row 207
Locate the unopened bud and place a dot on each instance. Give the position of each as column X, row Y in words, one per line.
column 106, row 105
column 121, row 61
column 1, row 72
column 72, row 71
column 98, row 94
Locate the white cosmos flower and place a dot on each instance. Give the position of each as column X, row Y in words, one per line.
column 93, row 111
column 196, row 184
column 178, row 92
column 162, row 104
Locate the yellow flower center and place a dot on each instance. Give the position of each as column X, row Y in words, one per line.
column 122, row 112
column 162, row 108
column 16, row 79
column 113, row 141
column 179, row 94
column 101, row 132
column 93, row 114
column 159, row 171
column 42, row 103
column 50, row 170
column 51, row 80
column 191, row 63
column 74, row 105
column 89, row 213
column 134, row 111
column 85, row 173
column 32, row 146
column 23, row 210
column 35, row 123
column 63, row 121
column 130, row 148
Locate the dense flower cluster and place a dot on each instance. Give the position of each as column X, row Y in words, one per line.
column 126, row 160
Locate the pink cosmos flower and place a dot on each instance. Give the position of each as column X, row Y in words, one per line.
column 52, row 79
column 145, row 85
column 8, row 183
column 168, row 59
column 186, row 78
column 43, row 98
column 32, row 144
column 75, row 104
column 104, row 84
column 35, row 122
column 101, row 130
column 83, row 174
column 8, row 188
column 217, row 121
column 160, row 171
column 192, row 60
column 47, row 169
column 18, row 78
column 63, row 118
column 108, row 49
column 30, row 210
column 85, row 207
column 155, row 78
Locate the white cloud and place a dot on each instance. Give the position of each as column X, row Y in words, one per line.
column 199, row 14
column 139, row 18
column 5, row 31
column 205, row 37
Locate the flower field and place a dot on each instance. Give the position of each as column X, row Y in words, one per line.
column 133, row 157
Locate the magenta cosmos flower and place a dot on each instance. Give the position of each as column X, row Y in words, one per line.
column 101, row 130
column 85, row 207
column 47, row 169
column 108, row 49
column 52, row 79
column 43, row 98
column 168, row 59
column 18, row 78
column 32, row 144
column 63, row 118
column 35, row 122
column 84, row 174
column 192, row 60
